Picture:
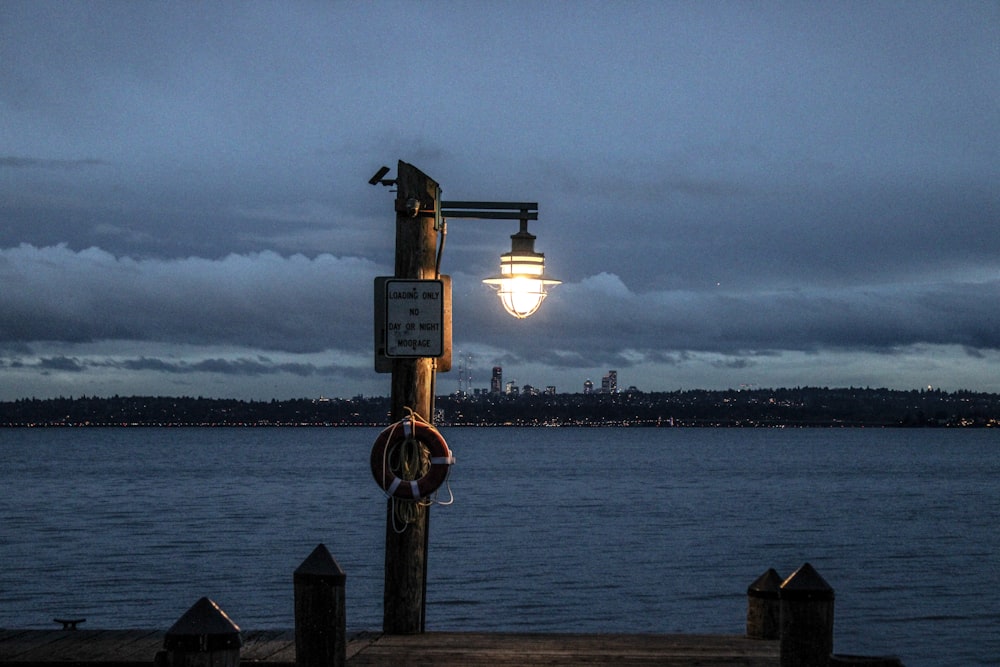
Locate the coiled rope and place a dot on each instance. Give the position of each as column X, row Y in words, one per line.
column 412, row 461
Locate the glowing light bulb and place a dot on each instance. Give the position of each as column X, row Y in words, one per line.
column 521, row 283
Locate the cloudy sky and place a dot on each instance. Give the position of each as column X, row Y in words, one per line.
column 734, row 193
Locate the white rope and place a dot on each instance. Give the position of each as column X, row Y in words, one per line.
column 410, row 506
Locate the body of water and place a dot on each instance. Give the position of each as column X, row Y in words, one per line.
column 552, row 529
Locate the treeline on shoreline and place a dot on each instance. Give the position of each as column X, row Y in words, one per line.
column 799, row 406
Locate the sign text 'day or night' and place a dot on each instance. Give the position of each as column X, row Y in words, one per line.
column 414, row 318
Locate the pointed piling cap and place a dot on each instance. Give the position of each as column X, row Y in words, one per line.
column 320, row 566
column 766, row 585
column 806, row 584
column 203, row 628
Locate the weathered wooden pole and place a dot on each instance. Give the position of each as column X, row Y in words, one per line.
column 404, row 597
column 764, row 606
column 806, row 619
column 320, row 611
column 203, row 637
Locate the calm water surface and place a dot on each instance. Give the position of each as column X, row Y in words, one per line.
column 599, row 530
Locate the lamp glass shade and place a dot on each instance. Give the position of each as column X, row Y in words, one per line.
column 521, row 285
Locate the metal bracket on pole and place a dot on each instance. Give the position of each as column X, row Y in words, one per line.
column 490, row 210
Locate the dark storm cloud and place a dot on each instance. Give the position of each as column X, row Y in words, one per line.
column 245, row 367
column 601, row 319
column 63, row 364
column 292, row 304
column 260, row 366
column 149, row 364
column 779, row 235
column 721, row 186
column 251, row 367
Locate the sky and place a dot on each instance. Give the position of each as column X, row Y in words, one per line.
column 734, row 194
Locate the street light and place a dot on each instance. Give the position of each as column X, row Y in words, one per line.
column 412, row 327
column 522, row 282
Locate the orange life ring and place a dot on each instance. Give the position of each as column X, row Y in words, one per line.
column 387, row 444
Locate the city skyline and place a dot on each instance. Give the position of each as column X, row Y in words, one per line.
column 499, row 385
column 732, row 194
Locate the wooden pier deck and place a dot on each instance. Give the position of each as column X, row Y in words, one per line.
column 274, row 648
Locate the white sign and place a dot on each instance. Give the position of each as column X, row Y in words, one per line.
column 414, row 318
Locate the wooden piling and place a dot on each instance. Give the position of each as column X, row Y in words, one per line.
column 203, row 637
column 320, row 611
column 406, row 538
column 806, row 619
column 764, row 606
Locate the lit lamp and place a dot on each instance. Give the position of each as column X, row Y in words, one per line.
column 521, row 283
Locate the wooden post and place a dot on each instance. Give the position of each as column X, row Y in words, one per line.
column 404, row 596
column 806, row 619
column 764, row 607
column 320, row 611
column 203, row 637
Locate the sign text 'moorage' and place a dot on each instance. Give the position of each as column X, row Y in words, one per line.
column 414, row 318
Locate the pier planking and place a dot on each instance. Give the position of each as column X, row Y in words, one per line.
column 276, row 648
